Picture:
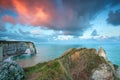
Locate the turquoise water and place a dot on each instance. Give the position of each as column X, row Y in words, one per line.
column 46, row 52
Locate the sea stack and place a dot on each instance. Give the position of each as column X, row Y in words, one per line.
column 101, row 52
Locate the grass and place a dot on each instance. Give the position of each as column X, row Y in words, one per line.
column 87, row 60
column 49, row 70
column 64, row 68
column 31, row 70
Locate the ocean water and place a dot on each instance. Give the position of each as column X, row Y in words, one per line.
column 46, row 52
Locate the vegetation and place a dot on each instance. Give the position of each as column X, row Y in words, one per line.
column 10, row 70
column 74, row 64
column 49, row 70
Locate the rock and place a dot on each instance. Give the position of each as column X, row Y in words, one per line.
column 14, row 48
column 103, row 72
column 77, row 64
column 101, row 52
column 10, row 70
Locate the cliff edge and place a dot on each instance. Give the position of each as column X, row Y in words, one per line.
column 75, row 64
column 13, row 48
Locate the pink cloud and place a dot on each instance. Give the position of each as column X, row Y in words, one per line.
column 9, row 19
column 37, row 13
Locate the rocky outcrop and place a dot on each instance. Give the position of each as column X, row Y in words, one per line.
column 103, row 72
column 76, row 64
column 10, row 70
column 10, row 48
column 101, row 52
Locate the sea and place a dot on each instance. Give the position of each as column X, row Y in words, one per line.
column 49, row 51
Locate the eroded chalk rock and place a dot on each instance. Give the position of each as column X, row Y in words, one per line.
column 14, row 48
column 101, row 52
column 103, row 72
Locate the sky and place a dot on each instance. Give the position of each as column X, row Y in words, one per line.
column 60, row 20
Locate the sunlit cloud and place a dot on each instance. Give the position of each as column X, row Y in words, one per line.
column 57, row 19
column 9, row 19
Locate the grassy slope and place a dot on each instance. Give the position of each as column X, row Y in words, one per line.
column 75, row 64
column 51, row 70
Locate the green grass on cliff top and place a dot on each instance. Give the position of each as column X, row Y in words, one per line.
column 61, row 68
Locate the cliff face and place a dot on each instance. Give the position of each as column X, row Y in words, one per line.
column 75, row 64
column 9, row 48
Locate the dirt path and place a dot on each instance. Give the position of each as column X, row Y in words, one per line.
column 64, row 70
column 34, row 76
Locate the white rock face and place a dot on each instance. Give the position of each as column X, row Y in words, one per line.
column 101, row 52
column 28, row 51
column 103, row 72
column 11, row 48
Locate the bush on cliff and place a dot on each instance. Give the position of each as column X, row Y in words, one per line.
column 10, row 70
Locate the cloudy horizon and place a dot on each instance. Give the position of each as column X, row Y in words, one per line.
column 60, row 20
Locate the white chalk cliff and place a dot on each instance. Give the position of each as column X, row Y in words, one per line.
column 101, row 52
column 11, row 48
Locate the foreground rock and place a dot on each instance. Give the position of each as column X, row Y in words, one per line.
column 10, row 70
column 76, row 64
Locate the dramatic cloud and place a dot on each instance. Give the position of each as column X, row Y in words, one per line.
column 29, row 11
column 23, row 32
column 110, row 39
column 116, row 38
column 114, row 17
column 114, row 2
column 9, row 19
column 71, row 16
column 2, row 27
column 22, row 37
column 35, row 32
column 94, row 33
